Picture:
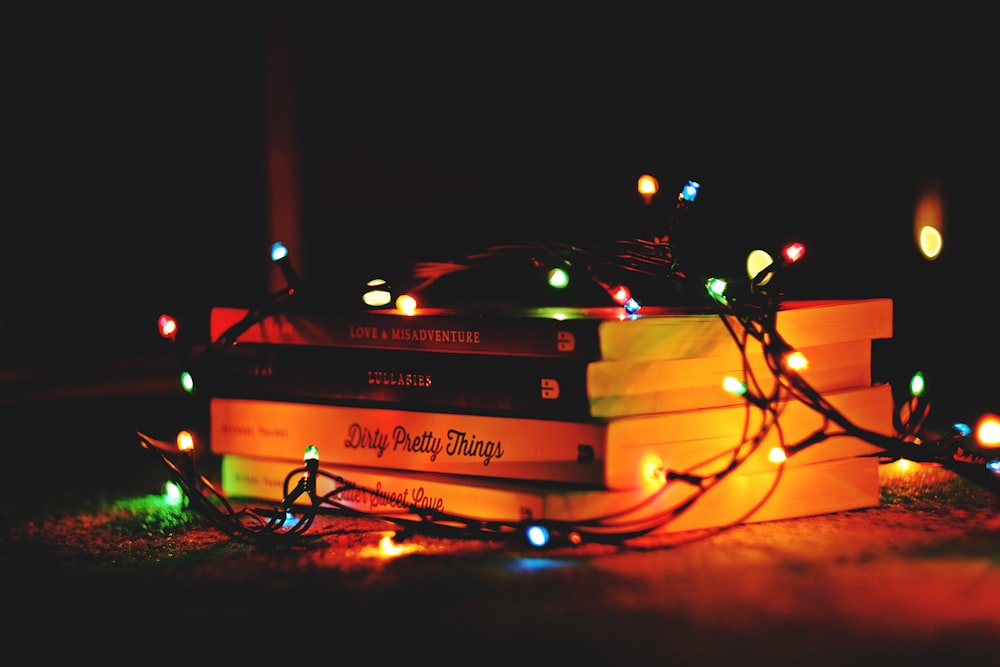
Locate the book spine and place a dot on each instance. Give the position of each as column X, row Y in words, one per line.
column 473, row 445
column 575, row 338
column 541, row 388
column 471, row 384
column 819, row 488
column 581, row 333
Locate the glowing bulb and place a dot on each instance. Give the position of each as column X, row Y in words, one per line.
column 777, row 455
column 796, row 361
column 793, row 252
column 173, row 495
column 734, row 386
column 931, row 242
column 648, row 186
column 620, row 294
column 387, row 547
column 652, row 469
column 378, row 293
column 757, row 261
column 558, row 278
column 278, row 251
column 406, row 304
column 689, row 191
column 717, row 289
column 167, row 326
column 903, row 464
column 988, row 431
column 917, row 384
column 928, row 222
column 538, row 536
column 185, row 441
column 312, row 453
column 186, row 382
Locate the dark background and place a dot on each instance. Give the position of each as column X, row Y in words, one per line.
column 139, row 138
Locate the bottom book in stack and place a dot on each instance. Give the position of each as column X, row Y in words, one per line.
column 783, row 492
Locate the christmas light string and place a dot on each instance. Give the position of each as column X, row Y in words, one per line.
column 749, row 311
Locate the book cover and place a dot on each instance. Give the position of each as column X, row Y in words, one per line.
column 583, row 333
column 627, row 452
column 778, row 493
column 533, row 387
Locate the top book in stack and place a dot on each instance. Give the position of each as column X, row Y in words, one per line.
column 570, row 333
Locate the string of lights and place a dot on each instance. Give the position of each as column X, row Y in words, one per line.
column 747, row 307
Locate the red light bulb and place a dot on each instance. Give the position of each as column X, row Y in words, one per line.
column 168, row 326
column 620, row 294
column 793, row 252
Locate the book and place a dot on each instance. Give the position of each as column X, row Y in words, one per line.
column 765, row 495
column 582, row 333
column 622, row 453
column 533, row 387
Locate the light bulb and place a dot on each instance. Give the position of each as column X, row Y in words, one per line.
column 648, row 186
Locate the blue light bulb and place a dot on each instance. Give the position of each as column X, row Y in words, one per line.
column 690, row 191
column 278, row 251
column 538, row 536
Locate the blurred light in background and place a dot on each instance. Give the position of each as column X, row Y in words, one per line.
column 928, row 223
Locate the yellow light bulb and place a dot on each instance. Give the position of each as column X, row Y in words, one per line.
column 185, row 441
column 988, row 431
column 796, row 361
column 648, row 187
column 407, row 304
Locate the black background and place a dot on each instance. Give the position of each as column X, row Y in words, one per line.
column 137, row 138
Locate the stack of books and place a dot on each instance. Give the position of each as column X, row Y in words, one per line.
column 585, row 415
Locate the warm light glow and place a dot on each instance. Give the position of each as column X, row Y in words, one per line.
column 988, row 431
column 168, row 326
column 620, row 294
column 388, row 548
column 185, row 441
column 793, row 252
column 796, row 361
column 648, row 186
column 777, row 455
column 378, row 295
column 903, row 464
column 928, row 223
column 757, row 261
column 406, row 304
column 652, row 472
column 930, row 242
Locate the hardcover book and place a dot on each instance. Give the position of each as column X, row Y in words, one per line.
column 742, row 497
column 533, row 387
column 581, row 333
column 622, row 453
